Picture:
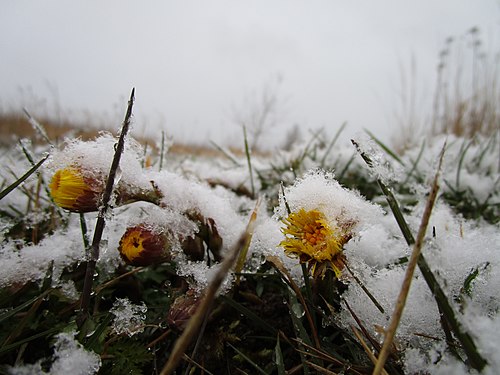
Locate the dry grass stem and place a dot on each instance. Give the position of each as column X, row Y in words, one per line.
column 367, row 349
column 101, row 222
column 412, row 264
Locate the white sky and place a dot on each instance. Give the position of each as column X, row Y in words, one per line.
column 195, row 63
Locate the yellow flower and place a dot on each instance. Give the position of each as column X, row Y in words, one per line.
column 310, row 238
column 141, row 245
column 74, row 192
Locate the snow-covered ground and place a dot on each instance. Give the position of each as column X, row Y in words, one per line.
column 463, row 253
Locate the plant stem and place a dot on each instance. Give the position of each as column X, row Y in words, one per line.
column 101, row 221
column 249, row 161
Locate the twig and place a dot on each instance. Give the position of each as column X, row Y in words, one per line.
column 109, row 283
column 159, row 339
column 101, row 221
column 321, row 370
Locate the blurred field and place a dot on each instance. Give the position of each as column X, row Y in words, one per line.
column 15, row 126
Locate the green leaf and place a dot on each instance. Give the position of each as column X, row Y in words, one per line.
column 11, row 187
column 278, row 357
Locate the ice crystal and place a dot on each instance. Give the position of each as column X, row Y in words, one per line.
column 129, row 318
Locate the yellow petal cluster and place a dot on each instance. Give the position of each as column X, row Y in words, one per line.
column 309, row 237
column 74, row 192
column 141, row 246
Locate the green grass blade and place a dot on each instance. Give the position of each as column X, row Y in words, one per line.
column 37, row 126
column 384, row 147
column 460, row 162
column 332, row 143
column 93, row 341
column 246, row 358
column 414, row 165
column 32, row 170
column 226, row 153
column 249, row 160
column 14, row 311
column 240, row 262
column 300, row 331
column 278, row 360
column 14, row 345
column 346, row 167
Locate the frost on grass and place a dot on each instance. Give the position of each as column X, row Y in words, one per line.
column 464, row 257
column 381, row 167
column 31, row 263
column 69, row 358
column 129, row 318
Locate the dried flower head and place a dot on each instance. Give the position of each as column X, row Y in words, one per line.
column 314, row 241
column 142, row 245
column 75, row 192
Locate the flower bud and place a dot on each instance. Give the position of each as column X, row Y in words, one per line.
column 182, row 310
column 78, row 190
column 142, row 245
column 74, row 192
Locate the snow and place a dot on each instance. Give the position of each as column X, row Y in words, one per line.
column 69, row 358
column 95, row 157
column 129, row 317
column 32, row 262
column 374, row 252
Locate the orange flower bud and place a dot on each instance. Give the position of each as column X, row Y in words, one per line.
column 74, row 192
column 77, row 191
column 141, row 245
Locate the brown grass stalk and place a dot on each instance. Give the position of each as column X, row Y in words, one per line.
column 412, row 264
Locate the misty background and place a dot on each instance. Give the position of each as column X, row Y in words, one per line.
column 201, row 69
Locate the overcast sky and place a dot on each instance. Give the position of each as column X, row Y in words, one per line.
column 198, row 65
